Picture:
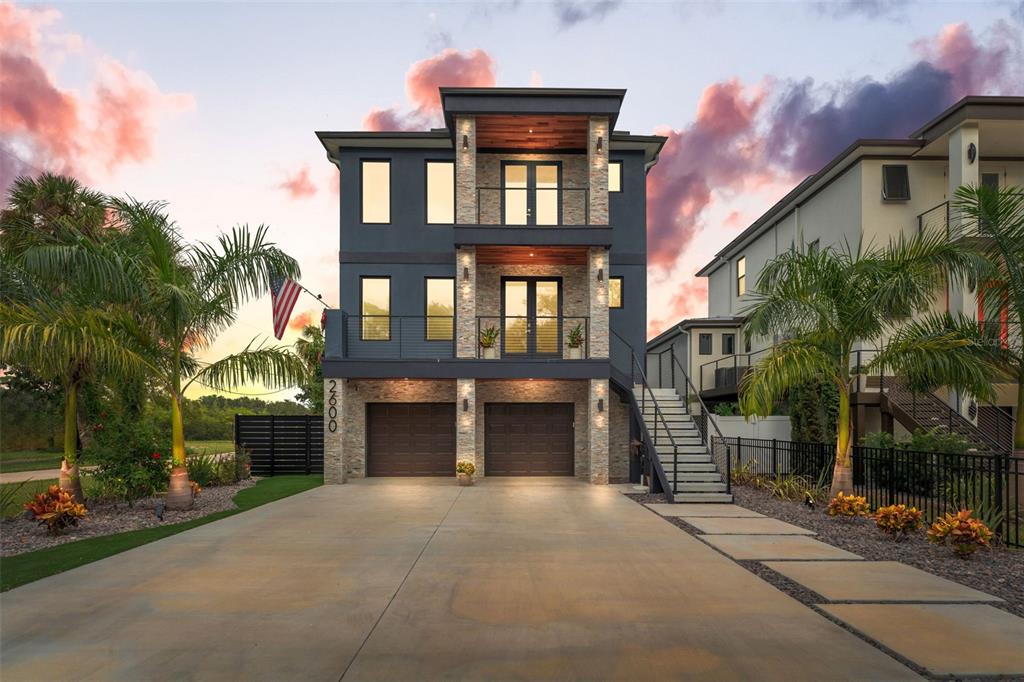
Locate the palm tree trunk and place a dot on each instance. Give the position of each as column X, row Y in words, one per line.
column 842, row 474
column 69, row 479
column 179, row 490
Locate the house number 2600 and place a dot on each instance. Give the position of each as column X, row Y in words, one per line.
column 332, row 407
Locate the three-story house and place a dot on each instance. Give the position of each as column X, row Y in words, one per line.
column 492, row 282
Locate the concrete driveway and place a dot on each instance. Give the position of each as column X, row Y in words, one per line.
column 420, row 579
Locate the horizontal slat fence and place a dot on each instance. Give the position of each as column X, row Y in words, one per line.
column 990, row 484
column 279, row 445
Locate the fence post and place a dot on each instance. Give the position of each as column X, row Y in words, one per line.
column 892, row 477
column 739, row 449
column 775, row 458
column 272, row 438
column 308, row 445
column 1002, row 469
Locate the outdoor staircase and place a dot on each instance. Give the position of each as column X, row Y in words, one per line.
column 688, row 466
column 927, row 411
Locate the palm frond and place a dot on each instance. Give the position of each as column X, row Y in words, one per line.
column 272, row 366
column 789, row 364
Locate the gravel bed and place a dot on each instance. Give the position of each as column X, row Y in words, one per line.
column 21, row 535
column 999, row 572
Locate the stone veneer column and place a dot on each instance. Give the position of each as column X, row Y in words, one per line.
column 598, row 163
column 465, row 171
column 334, row 401
column 465, row 424
column 597, row 259
column 599, row 425
column 465, row 308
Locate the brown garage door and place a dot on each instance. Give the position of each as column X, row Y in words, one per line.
column 410, row 439
column 528, row 439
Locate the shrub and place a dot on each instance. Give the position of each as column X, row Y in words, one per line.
column 56, row 509
column 130, row 460
column 898, row 520
column 202, row 469
column 465, row 467
column 242, row 463
column 848, row 505
column 966, row 534
column 726, row 409
column 795, row 488
column 744, row 475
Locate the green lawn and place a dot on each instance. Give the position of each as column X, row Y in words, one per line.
column 31, row 566
column 28, row 460
column 209, row 447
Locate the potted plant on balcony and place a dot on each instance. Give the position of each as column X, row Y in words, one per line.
column 575, row 342
column 465, row 470
column 489, row 343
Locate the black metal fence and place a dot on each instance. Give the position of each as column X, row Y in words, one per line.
column 990, row 484
column 279, row 445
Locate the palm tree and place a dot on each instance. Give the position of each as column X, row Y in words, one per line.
column 60, row 289
column 993, row 222
column 191, row 294
column 827, row 303
column 310, row 347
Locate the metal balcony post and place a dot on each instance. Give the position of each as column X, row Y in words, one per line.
column 672, row 367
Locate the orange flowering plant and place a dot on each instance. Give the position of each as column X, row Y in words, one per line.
column 965, row 533
column 848, row 505
column 898, row 520
column 56, row 509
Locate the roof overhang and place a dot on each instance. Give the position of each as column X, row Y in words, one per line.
column 650, row 145
column 512, row 101
column 335, row 141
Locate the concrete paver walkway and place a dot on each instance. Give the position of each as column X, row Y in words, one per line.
column 421, row 579
column 932, row 630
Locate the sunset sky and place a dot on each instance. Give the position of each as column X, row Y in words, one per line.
column 212, row 107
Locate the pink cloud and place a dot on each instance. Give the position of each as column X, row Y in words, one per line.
column 450, row 68
column 62, row 130
column 689, row 300
column 719, row 151
column 301, row 320
column 972, row 66
column 299, row 185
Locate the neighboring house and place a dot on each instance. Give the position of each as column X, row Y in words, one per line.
column 492, row 286
column 872, row 192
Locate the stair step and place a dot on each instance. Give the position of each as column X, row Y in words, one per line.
column 697, row 477
column 665, row 450
column 699, row 487
column 717, row 498
column 667, row 462
column 703, row 468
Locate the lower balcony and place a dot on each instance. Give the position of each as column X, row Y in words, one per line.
column 556, row 347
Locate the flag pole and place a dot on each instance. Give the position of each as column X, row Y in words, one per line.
column 319, row 297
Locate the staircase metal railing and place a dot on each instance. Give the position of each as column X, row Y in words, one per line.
column 702, row 422
column 649, row 442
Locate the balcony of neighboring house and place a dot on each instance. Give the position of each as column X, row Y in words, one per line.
column 533, row 180
column 721, row 378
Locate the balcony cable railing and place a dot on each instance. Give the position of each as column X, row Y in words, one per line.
column 537, row 336
column 533, row 207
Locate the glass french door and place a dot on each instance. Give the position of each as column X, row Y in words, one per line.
column 531, row 323
column 530, row 193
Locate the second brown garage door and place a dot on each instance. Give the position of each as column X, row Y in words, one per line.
column 528, row 439
column 410, row 439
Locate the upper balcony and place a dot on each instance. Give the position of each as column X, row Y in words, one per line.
column 527, row 179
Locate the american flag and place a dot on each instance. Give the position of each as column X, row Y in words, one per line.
column 283, row 292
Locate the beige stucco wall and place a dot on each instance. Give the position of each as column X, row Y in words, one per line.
column 698, row 360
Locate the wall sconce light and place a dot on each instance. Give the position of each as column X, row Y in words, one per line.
column 465, row 143
column 465, row 404
column 600, row 275
column 465, row 273
column 600, row 142
column 600, row 404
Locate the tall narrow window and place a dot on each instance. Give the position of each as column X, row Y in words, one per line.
column 375, row 308
column 614, row 176
column 704, row 344
column 376, row 179
column 440, row 192
column 741, row 276
column 614, row 292
column 440, row 308
column 728, row 344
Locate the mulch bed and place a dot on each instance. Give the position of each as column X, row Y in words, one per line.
column 999, row 572
column 21, row 535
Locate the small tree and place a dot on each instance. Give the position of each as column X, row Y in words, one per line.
column 310, row 348
column 829, row 301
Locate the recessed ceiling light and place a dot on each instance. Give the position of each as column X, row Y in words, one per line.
column 531, row 130
column 531, row 254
